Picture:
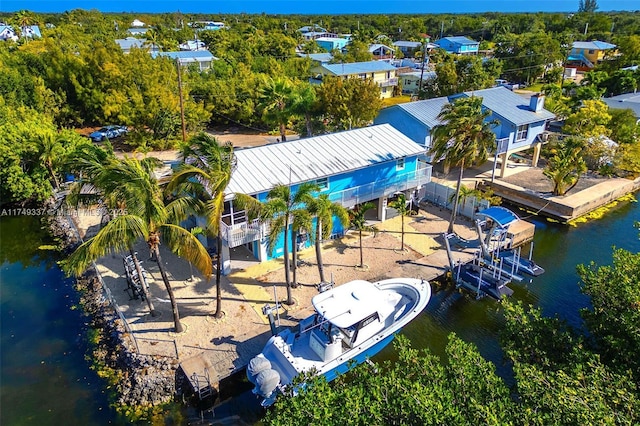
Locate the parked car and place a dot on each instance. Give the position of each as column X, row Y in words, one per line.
column 108, row 132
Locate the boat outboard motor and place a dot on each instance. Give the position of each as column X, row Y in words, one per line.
column 267, row 381
column 256, row 366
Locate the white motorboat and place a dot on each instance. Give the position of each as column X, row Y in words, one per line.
column 353, row 322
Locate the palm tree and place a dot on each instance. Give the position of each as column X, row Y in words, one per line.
column 304, row 100
column 277, row 97
column 464, row 138
column 301, row 220
column 278, row 210
column 566, row 166
column 49, row 150
column 400, row 205
column 324, row 210
column 207, row 171
column 358, row 221
column 146, row 216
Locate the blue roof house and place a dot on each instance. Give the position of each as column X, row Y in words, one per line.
column 351, row 167
column 332, row 43
column 459, row 45
column 521, row 121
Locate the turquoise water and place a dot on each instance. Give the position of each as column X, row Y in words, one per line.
column 45, row 378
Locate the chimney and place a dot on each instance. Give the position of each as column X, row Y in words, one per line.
column 536, row 103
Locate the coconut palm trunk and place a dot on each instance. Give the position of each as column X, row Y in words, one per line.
column 143, row 282
column 361, row 251
column 154, row 245
column 294, row 257
column 456, row 201
column 318, row 245
column 287, row 264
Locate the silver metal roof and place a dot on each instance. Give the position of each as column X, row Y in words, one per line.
column 510, row 106
column 425, row 111
column 260, row 168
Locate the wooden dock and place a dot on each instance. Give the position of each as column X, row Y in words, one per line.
column 202, row 375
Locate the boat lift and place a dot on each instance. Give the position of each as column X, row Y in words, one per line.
column 476, row 277
column 495, row 247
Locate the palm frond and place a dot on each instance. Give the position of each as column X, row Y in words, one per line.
column 186, row 245
column 118, row 235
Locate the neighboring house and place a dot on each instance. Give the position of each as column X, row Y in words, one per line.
column 521, row 121
column 207, row 25
column 458, row 45
column 626, row 101
column 126, row 44
column 411, row 80
column 586, row 54
column 380, row 51
column 332, row 43
column 191, row 45
column 202, row 58
column 317, row 58
column 8, row 33
column 380, row 72
column 408, row 48
column 137, row 31
column 138, row 24
column 351, row 167
column 312, row 29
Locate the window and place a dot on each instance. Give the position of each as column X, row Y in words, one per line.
column 400, row 164
column 591, row 52
column 323, row 183
column 522, row 133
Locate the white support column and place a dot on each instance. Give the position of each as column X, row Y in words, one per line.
column 226, row 259
column 503, row 166
column 536, row 154
column 262, row 250
column 382, row 209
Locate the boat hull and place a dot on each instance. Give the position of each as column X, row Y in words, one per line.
column 341, row 335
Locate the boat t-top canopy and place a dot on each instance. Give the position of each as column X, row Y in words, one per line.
column 349, row 303
column 501, row 216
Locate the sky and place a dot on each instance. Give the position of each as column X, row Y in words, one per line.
column 284, row 7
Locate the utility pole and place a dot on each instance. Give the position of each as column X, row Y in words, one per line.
column 425, row 41
column 184, row 129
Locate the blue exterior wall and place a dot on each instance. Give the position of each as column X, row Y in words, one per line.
column 418, row 131
column 336, row 43
column 404, row 122
column 384, row 173
column 452, row 47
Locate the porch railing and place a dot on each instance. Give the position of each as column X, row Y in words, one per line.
column 359, row 194
column 246, row 232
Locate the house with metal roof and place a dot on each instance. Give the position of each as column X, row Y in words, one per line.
column 381, row 51
column 382, row 73
column 521, row 121
column 203, row 59
column 332, row 43
column 351, row 167
column 586, row 54
column 317, row 58
column 460, row 45
column 411, row 80
column 408, row 48
column 626, row 101
column 126, row 44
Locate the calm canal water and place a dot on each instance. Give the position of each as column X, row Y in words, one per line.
column 46, row 380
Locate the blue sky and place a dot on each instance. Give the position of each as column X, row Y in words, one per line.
column 312, row 7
